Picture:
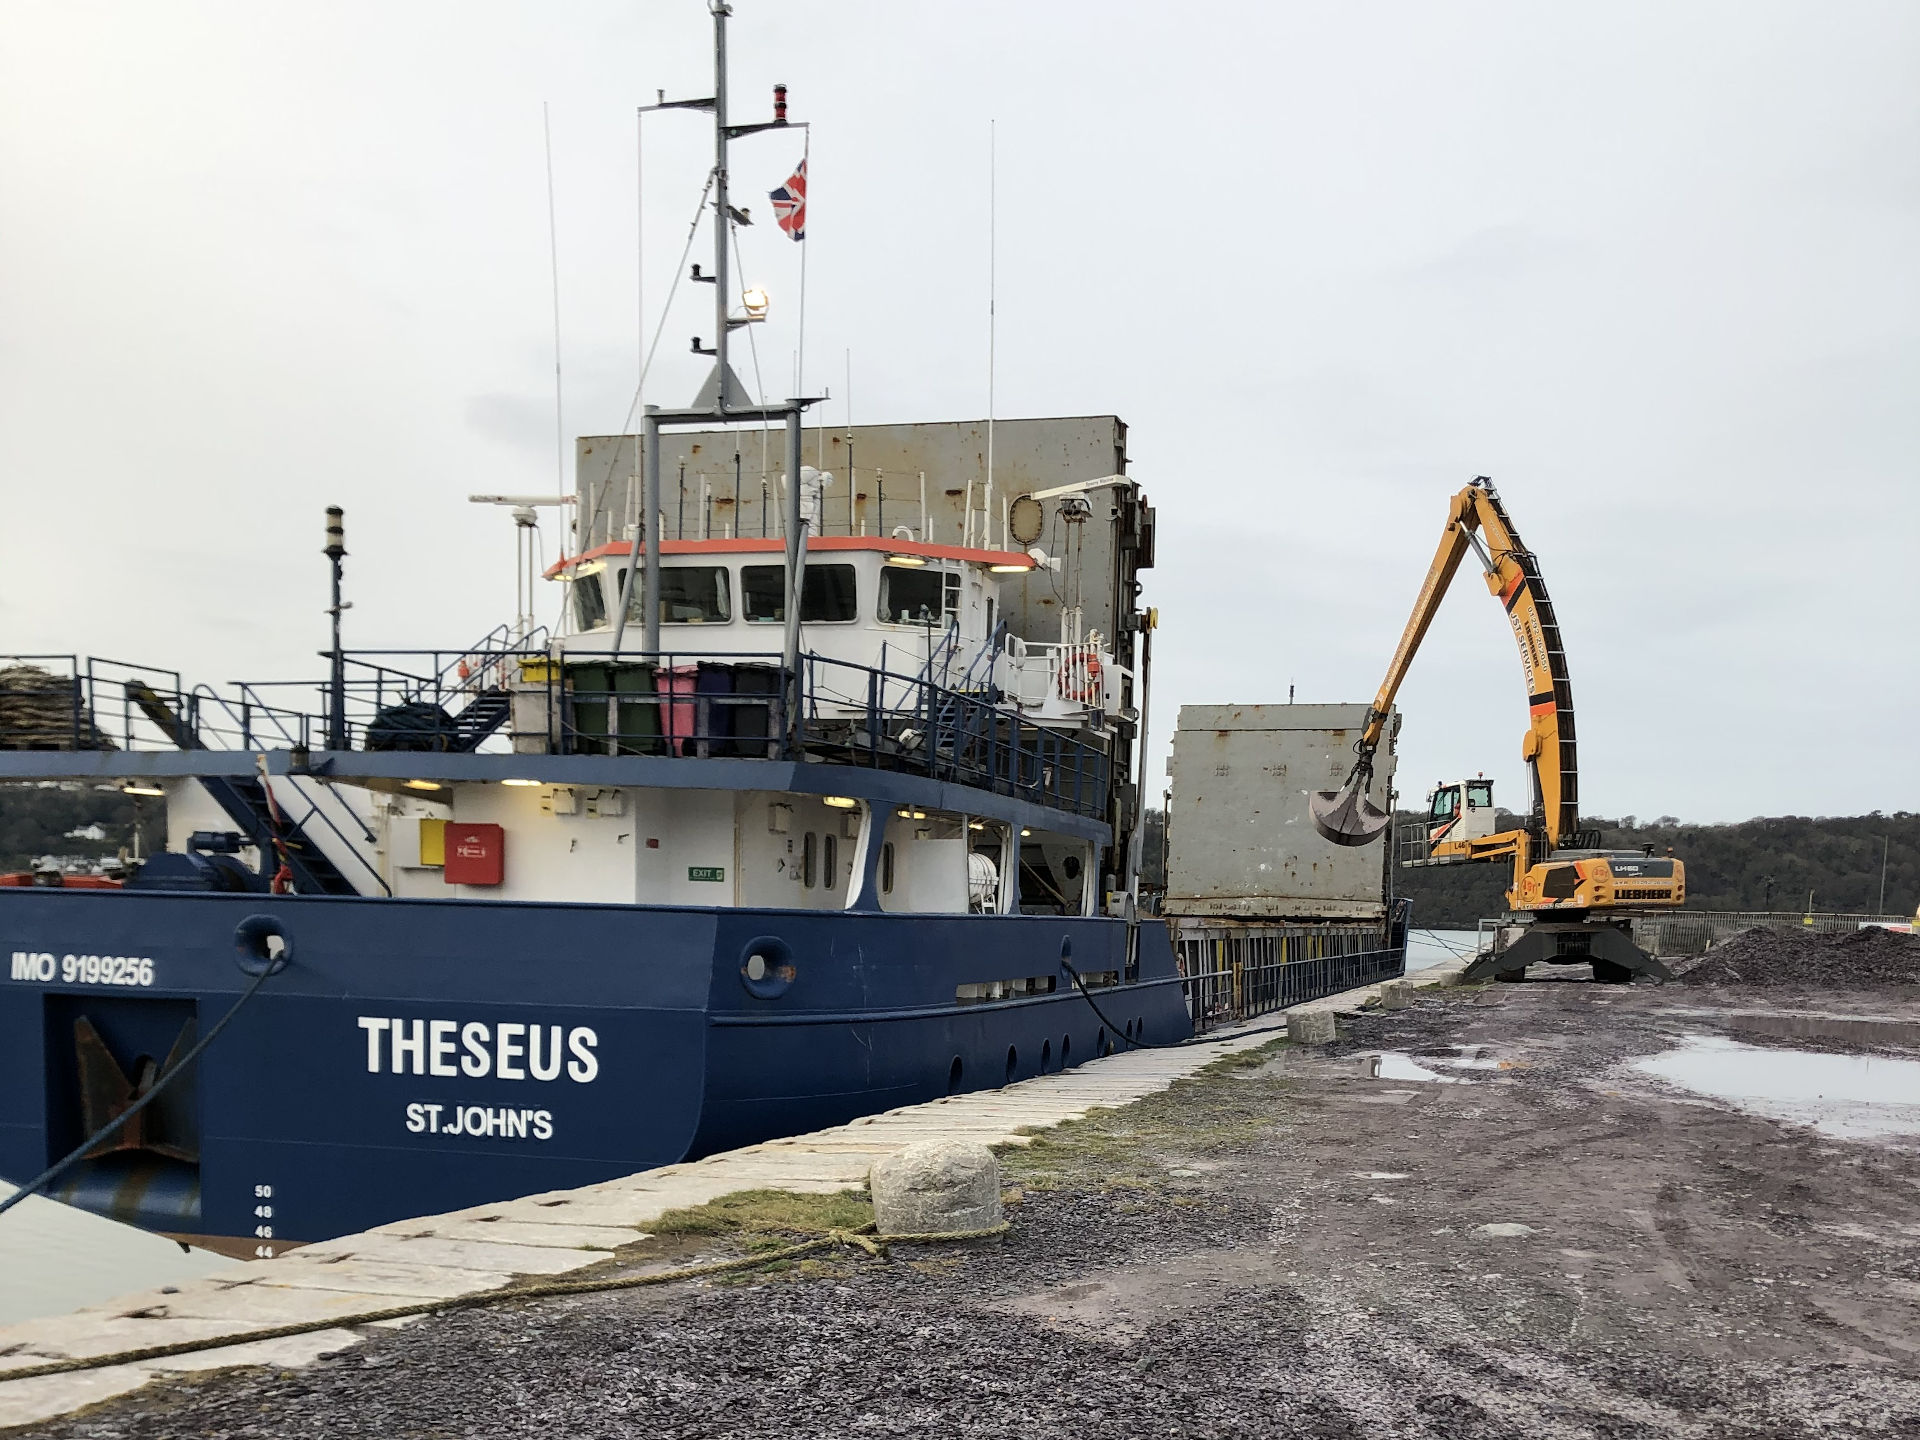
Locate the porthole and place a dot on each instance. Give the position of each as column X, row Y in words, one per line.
column 1046, row 1055
column 829, row 861
column 1102, row 1043
column 1066, row 1051
column 886, row 868
column 1013, row 1063
column 809, row 859
column 953, row 1076
column 1070, row 867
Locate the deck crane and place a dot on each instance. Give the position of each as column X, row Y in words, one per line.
column 1577, row 899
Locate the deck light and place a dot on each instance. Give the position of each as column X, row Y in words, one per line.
column 906, row 559
column 519, row 782
column 423, row 784
column 1025, row 833
column 135, row 788
column 975, row 825
column 839, row 802
column 754, row 301
column 1008, row 569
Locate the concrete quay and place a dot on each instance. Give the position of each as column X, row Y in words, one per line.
column 484, row 1248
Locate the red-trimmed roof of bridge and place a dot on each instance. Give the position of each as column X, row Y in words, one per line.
column 815, row 544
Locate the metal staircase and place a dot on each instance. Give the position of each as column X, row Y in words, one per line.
column 245, row 801
column 482, row 716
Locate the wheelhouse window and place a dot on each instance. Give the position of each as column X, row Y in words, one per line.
column 827, row 595
column 589, row 600
column 689, row 595
column 912, row 596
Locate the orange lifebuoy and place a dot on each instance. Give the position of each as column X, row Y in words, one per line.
column 1080, row 677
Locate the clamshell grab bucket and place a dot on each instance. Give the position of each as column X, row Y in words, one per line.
column 1345, row 816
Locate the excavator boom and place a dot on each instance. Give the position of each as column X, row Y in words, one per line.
column 1573, row 898
column 1476, row 520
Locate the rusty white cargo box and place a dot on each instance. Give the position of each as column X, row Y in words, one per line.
column 1240, row 842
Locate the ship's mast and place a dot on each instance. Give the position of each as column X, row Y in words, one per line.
column 722, row 215
column 722, row 410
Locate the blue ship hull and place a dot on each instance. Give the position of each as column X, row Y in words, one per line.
column 420, row 1056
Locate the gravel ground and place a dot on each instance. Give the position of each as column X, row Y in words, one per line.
column 1281, row 1248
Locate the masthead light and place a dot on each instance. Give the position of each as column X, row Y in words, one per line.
column 754, row 301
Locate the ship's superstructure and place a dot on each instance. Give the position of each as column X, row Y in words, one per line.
column 822, row 795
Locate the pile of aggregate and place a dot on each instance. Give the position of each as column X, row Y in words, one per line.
column 1858, row 960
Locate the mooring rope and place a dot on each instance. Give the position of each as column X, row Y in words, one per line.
column 1085, row 994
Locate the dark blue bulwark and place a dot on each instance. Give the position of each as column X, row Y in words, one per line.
column 629, row 1037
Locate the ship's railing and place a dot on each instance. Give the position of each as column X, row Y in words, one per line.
column 500, row 699
column 673, row 704
column 69, row 702
column 1232, row 971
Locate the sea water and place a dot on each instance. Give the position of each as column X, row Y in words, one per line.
column 54, row 1258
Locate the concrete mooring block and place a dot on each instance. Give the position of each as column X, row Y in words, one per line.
column 936, row 1187
column 1396, row 994
column 1311, row 1027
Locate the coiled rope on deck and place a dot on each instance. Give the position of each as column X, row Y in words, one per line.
column 874, row 1245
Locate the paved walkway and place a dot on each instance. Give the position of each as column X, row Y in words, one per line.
column 484, row 1248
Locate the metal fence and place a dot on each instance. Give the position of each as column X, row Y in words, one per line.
column 1232, row 972
column 1690, row 932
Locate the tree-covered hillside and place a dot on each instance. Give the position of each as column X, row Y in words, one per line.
column 35, row 819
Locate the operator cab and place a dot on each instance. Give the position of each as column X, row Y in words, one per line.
column 1460, row 810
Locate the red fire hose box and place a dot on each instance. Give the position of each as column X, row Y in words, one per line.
column 476, row 854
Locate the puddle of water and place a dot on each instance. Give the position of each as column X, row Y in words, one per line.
column 1393, row 1065
column 1818, row 1025
column 1850, row 1097
column 1862, row 1029
column 1471, row 1057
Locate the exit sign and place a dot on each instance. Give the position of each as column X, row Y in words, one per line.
column 706, row 872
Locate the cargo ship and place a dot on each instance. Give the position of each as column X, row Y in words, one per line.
column 825, row 797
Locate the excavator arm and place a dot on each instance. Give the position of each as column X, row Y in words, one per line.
column 1476, row 520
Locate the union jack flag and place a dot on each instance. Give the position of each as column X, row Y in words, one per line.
column 790, row 203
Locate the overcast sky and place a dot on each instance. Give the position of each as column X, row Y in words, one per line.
column 1652, row 267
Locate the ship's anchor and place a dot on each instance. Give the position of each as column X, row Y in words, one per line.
column 106, row 1093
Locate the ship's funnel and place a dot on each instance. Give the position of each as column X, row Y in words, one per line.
column 1345, row 816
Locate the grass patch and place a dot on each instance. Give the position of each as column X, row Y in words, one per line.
column 769, row 1219
column 1218, row 1109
